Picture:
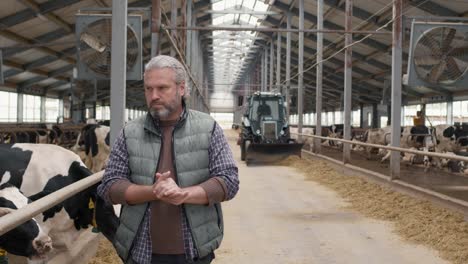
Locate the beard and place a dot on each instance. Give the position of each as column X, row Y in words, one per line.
column 167, row 108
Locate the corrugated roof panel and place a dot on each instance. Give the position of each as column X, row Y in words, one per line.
column 10, row 7
column 54, row 65
column 22, row 77
column 34, row 27
column 28, row 56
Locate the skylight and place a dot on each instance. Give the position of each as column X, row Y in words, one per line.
column 230, row 48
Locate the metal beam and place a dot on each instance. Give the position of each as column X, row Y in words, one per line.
column 348, row 73
column 319, row 75
column 49, row 16
column 300, row 69
column 396, row 87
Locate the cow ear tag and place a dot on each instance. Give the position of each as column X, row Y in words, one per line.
column 93, row 222
column 3, row 256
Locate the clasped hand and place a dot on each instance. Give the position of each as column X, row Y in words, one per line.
column 167, row 190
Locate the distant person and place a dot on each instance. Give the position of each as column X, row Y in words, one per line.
column 170, row 170
column 263, row 110
column 418, row 120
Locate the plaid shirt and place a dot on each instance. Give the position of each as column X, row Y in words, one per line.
column 221, row 164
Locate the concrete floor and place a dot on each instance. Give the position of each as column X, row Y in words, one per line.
column 278, row 217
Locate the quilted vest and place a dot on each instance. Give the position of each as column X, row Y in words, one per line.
column 191, row 140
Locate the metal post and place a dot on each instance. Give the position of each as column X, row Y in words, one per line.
column 173, row 25
column 348, row 71
column 188, row 48
column 300, row 88
column 118, row 67
column 262, row 71
column 396, row 88
column 318, row 93
column 361, row 115
column 375, row 116
column 43, row 109
column 19, row 108
column 288, row 65
column 265, row 71
column 272, row 63
column 155, row 25
column 278, row 63
column 450, row 112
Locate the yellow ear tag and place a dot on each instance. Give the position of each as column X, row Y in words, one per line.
column 92, row 207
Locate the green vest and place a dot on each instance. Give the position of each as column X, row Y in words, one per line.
column 191, row 140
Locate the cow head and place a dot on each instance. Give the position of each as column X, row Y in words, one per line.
column 27, row 239
column 457, row 133
column 84, row 208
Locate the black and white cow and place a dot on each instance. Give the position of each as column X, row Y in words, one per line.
column 94, row 141
column 40, row 169
column 28, row 239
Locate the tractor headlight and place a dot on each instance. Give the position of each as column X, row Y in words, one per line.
column 258, row 131
column 246, row 122
column 282, row 132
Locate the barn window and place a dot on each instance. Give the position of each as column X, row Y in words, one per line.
column 8, row 106
column 31, row 108
column 52, row 107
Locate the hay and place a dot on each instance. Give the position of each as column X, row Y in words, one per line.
column 415, row 220
column 105, row 254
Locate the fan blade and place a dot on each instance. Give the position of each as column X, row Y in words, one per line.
column 453, row 68
column 426, row 60
column 448, row 40
column 431, row 43
column 92, row 42
column 436, row 72
column 459, row 53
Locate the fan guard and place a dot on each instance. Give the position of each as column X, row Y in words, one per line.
column 440, row 55
column 95, row 46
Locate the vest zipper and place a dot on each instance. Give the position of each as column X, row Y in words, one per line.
column 177, row 181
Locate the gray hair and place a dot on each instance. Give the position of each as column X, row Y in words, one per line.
column 163, row 61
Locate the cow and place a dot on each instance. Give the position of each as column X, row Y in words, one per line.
column 39, row 170
column 94, row 141
column 308, row 141
column 27, row 239
column 449, row 138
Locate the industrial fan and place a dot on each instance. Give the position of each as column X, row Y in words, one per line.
column 438, row 55
column 94, row 41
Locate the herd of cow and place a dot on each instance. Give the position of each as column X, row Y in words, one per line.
column 449, row 139
column 30, row 171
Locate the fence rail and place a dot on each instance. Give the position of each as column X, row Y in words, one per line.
column 14, row 219
column 417, row 152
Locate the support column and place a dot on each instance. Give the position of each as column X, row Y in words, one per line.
column 396, row 88
column 450, row 112
column 155, row 25
column 375, row 116
column 300, row 81
column 174, row 25
column 118, row 67
column 361, row 115
column 188, row 49
column 43, row 109
column 272, row 63
column 318, row 92
column 265, row 71
column 288, row 65
column 19, row 108
column 278, row 63
column 348, row 71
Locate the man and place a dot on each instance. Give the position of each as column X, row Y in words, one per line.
column 170, row 170
column 263, row 110
column 418, row 120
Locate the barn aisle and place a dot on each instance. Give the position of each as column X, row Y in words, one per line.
column 278, row 217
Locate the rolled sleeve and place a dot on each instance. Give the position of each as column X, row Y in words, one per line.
column 117, row 171
column 222, row 165
column 215, row 190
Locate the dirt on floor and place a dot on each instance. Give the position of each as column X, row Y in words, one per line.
column 415, row 220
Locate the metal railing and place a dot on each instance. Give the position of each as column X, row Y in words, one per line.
column 417, row 152
column 14, row 219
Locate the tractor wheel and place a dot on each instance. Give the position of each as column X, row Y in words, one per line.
column 243, row 150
